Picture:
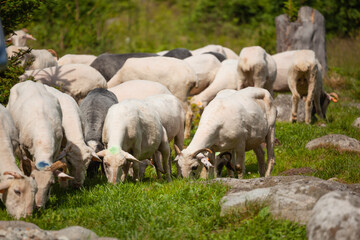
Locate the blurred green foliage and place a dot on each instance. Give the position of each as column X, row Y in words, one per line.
column 9, row 77
column 16, row 12
column 94, row 26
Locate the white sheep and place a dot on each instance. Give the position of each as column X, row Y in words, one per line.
column 37, row 116
column 78, row 154
column 76, row 59
column 175, row 74
column 163, row 102
column 138, row 89
column 74, row 79
column 132, row 132
column 205, row 66
column 305, row 79
column 236, row 121
column 226, row 77
column 42, row 58
column 17, row 190
column 256, row 68
column 19, row 38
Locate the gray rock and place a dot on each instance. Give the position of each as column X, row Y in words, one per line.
column 356, row 123
column 19, row 230
column 74, row 233
column 338, row 141
column 335, row 216
column 283, row 104
column 307, row 32
column 288, row 197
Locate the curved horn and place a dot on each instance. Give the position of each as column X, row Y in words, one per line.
column 57, row 165
column 177, row 149
column 14, row 174
column 202, row 150
column 53, row 53
column 335, row 96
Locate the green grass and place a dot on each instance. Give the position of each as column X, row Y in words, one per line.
column 182, row 209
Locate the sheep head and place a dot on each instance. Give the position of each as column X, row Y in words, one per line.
column 116, row 163
column 18, row 194
column 44, row 175
column 190, row 163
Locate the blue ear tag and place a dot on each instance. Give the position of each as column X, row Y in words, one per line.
column 114, row 150
column 41, row 165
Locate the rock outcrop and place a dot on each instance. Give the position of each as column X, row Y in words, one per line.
column 288, row 197
column 19, row 230
column 335, row 216
column 337, row 141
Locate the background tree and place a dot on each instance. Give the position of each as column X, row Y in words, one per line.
column 14, row 14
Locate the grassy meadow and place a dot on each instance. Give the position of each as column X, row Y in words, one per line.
column 189, row 209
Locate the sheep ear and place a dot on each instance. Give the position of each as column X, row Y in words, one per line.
column 62, row 176
column 95, row 157
column 101, row 153
column 29, row 36
column 4, row 185
column 131, row 158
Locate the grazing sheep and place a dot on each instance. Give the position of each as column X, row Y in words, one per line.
column 283, row 62
column 143, row 89
column 175, row 74
column 93, row 109
column 42, row 58
column 205, row 66
column 179, row 53
column 305, row 79
column 37, row 116
column 76, row 59
column 138, row 89
column 256, row 68
column 17, row 190
column 226, row 77
column 74, row 79
column 78, row 154
column 236, row 121
column 132, row 132
column 172, row 118
column 19, row 38
column 109, row 64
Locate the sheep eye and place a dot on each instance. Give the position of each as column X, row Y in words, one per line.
column 194, row 168
column 106, row 164
column 17, row 192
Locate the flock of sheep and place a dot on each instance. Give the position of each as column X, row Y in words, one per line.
column 122, row 110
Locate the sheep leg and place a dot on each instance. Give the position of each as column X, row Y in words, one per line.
column 136, row 167
column 179, row 141
column 294, row 107
column 188, row 119
column 165, row 154
column 270, row 145
column 125, row 171
column 240, row 161
column 309, row 102
column 158, row 166
column 292, row 80
column 260, row 156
